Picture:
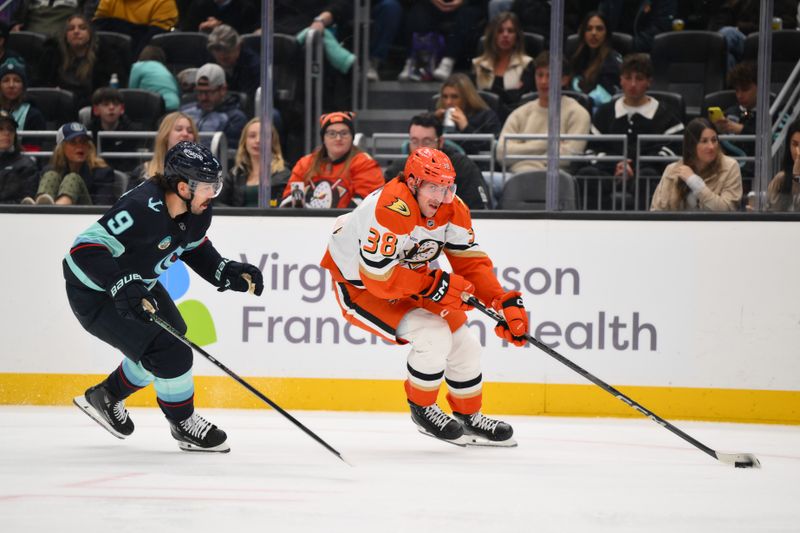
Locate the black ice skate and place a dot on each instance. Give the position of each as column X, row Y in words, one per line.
column 105, row 409
column 480, row 430
column 196, row 434
column 433, row 422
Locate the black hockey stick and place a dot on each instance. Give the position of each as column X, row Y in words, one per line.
column 175, row 333
column 738, row 460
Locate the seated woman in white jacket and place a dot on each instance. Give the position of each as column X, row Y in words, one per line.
column 704, row 179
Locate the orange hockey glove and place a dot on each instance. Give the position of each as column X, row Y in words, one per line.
column 516, row 324
column 446, row 290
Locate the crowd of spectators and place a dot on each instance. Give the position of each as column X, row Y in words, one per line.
column 491, row 83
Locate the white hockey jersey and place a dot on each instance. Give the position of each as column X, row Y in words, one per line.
column 385, row 246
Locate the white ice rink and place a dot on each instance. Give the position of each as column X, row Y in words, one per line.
column 60, row 472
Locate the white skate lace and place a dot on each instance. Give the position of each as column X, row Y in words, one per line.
column 120, row 413
column 435, row 415
column 196, row 426
column 479, row 421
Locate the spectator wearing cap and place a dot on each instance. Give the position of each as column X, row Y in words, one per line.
column 215, row 109
column 205, row 15
column 76, row 174
column 19, row 174
column 13, row 83
column 337, row 174
column 241, row 65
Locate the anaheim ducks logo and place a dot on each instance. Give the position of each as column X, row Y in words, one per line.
column 424, row 252
column 399, row 206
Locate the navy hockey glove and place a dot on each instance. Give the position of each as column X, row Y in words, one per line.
column 230, row 275
column 128, row 293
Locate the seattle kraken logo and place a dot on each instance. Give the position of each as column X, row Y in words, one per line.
column 168, row 261
column 154, row 205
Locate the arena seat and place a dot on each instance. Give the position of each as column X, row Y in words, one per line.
column 143, row 108
column 57, row 105
column 527, row 191
column 691, row 63
column 785, row 55
column 184, row 49
column 29, row 45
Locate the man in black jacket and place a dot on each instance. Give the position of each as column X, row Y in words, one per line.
column 633, row 114
column 425, row 130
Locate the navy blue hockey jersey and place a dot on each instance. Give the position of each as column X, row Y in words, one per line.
column 137, row 235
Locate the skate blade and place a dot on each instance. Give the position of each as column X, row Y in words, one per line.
column 460, row 441
column 474, row 440
column 91, row 412
column 219, row 448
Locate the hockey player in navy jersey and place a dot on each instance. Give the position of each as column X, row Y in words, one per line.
column 114, row 265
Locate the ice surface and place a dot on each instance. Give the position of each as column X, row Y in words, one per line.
column 59, row 471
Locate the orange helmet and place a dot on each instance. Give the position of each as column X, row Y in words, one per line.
column 431, row 165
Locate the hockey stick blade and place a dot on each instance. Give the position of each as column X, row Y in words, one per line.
column 738, row 460
column 166, row 326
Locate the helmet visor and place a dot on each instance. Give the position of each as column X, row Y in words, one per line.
column 444, row 193
column 205, row 188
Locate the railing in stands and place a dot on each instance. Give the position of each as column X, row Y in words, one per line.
column 313, row 87
column 217, row 142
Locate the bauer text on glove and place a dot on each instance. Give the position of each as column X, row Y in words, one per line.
column 128, row 292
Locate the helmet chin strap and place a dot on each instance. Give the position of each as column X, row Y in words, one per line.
column 191, row 196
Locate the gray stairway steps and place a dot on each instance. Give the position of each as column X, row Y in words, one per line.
column 402, row 94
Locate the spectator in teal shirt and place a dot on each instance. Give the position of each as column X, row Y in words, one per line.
column 150, row 73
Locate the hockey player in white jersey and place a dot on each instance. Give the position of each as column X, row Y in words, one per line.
column 379, row 256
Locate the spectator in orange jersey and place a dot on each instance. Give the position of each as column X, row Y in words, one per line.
column 336, row 174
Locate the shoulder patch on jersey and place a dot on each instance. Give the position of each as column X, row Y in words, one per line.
column 165, row 242
column 399, row 206
column 154, row 205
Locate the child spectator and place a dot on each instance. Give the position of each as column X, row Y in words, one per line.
column 151, row 74
column 108, row 114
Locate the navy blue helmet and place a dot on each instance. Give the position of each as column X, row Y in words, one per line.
column 193, row 163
